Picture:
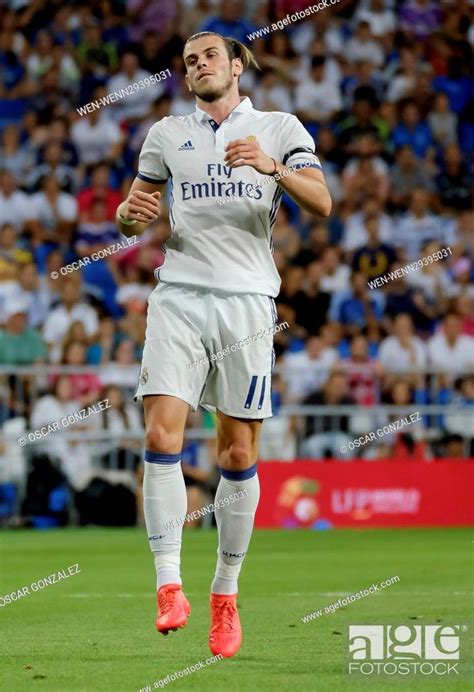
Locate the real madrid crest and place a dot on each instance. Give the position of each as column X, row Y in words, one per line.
column 144, row 376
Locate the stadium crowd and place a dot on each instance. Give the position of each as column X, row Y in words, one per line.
column 383, row 87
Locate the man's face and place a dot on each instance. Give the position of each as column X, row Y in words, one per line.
column 210, row 73
column 452, row 327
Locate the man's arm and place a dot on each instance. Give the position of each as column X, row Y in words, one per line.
column 142, row 206
column 306, row 186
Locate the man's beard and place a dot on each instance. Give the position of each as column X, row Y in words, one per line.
column 212, row 94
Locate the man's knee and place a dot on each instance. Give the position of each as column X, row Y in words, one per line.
column 158, row 439
column 238, row 456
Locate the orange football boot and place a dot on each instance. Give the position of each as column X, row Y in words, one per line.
column 225, row 635
column 173, row 608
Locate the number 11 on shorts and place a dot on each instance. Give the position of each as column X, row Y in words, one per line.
column 251, row 392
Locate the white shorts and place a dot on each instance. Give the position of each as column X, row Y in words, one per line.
column 209, row 349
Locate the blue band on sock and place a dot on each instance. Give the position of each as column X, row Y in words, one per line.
column 160, row 458
column 238, row 475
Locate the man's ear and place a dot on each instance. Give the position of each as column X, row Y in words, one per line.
column 237, row 67
column 187, row 82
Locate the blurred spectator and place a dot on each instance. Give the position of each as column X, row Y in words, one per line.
column 402, row 352
column 118, row 451
column 375, row 258
column 336, row 275
column 307, row 371
column 15, row 208
column 432, row 278
column 96, row 136
column 456, row 85
column 442, row 122
column 406, row 442
column 55, row 213
column 100, row 189
column 412, row 131
column 363, row 47
column 34, row 294
column 362, row 373
column 355, row 231
column 11, row 254
column 403, row 82
column 73, row 456
column 58, row 133
column 147, row 15
column 53, row 166
column 461, row 422
column 318, row 241
column 159, row 49
column 95, row 54
column 136, row 105
column 271, row 94
column 403, row 298
column 450, row 351
column 455, row 184
column 85, row 386
column 406, row 175
column 19, row 343
column 317, row 100
column 358, row 309
column 464, row 307
column 12, row 71
column 95, row 231
column 379, row 16
column 14, row 158
column 230, row 21
column 361, row 121
column 419, row 18
column 70, row 309
column 101, row 349
column 123, row 370
column 365, row 171
column 419, row 225
column 325, row 435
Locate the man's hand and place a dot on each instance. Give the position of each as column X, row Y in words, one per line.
column 141, row 206
column 247, row 152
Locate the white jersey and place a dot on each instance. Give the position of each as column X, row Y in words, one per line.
column 222, row 217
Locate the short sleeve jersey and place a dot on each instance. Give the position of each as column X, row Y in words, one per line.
column 222, row 217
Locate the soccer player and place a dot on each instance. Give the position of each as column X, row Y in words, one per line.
column 214, row 300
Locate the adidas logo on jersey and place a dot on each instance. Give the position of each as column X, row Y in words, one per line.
column 187, row 146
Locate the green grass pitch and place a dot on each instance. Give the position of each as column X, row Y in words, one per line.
column 95, row 630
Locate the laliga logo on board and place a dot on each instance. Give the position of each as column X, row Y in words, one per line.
column 296, row 505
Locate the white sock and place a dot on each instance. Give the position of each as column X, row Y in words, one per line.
column 234, row 525
column 164, row 500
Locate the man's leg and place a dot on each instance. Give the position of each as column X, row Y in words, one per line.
column 236, row 503
column 164, row 501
